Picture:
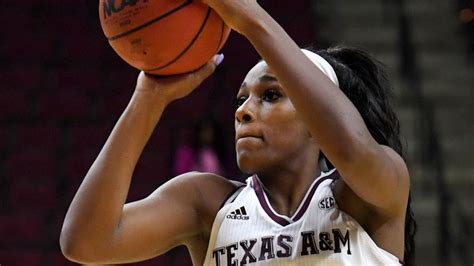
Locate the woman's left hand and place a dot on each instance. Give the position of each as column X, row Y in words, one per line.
column 237, row 14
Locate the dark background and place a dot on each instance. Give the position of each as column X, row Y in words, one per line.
column 62, row 88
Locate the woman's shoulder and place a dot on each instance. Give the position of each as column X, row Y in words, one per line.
column 211, row 190
column 213, row 187
column 199, row 188
column 209, row 181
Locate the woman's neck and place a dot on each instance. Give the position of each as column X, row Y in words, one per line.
column 286, row 189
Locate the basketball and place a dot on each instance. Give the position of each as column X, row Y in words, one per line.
column 163, row 37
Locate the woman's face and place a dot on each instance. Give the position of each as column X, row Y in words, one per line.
column 269, row 131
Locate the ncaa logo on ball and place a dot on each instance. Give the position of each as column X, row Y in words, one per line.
column 111, row 7
column 327, row 203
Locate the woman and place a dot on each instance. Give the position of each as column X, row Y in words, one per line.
column 291, row 123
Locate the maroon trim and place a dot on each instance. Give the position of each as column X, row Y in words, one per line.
column 333, row 175
column 261, row 198
column 283, row 222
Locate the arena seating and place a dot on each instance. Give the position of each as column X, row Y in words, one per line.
column 63, row 88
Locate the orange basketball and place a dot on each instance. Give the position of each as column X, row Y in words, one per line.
column 163, row 37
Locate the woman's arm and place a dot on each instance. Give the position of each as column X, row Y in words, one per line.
column 98, row 227
column 371, row 170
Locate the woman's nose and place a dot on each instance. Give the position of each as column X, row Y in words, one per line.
column 245, row 113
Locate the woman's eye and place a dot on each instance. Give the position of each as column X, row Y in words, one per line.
column 271, row 95
column 240, row 100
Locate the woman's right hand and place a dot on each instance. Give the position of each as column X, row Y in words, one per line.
column 237, row 14
column 170, row 88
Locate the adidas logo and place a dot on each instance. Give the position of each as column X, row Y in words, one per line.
column 238, row 214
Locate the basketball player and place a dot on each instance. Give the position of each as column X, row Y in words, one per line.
column 318, row 138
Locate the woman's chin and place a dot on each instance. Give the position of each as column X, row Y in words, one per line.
column 247, row 165
column 252, row 164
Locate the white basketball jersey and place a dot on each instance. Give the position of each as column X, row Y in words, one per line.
column 247, row 231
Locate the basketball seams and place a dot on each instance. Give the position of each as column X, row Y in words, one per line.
column 219, row 43
column 177, row 37
column 206, row 19
column 123, row 34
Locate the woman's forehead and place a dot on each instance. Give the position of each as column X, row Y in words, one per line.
column 260, row 72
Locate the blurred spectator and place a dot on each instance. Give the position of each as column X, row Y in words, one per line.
column 203, row 153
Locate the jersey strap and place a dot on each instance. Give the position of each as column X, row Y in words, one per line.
column 232, row 195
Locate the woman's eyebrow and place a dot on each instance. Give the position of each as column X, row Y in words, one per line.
column 268, row 78
column 242, row 89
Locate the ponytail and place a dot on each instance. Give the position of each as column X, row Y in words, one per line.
column 364, row 81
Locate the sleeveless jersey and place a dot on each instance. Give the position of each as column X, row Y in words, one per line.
column 247, row 231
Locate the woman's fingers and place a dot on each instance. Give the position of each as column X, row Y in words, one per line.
column 178, row 86
column 205, row 71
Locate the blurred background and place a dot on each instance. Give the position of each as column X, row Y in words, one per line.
column 62, row 88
